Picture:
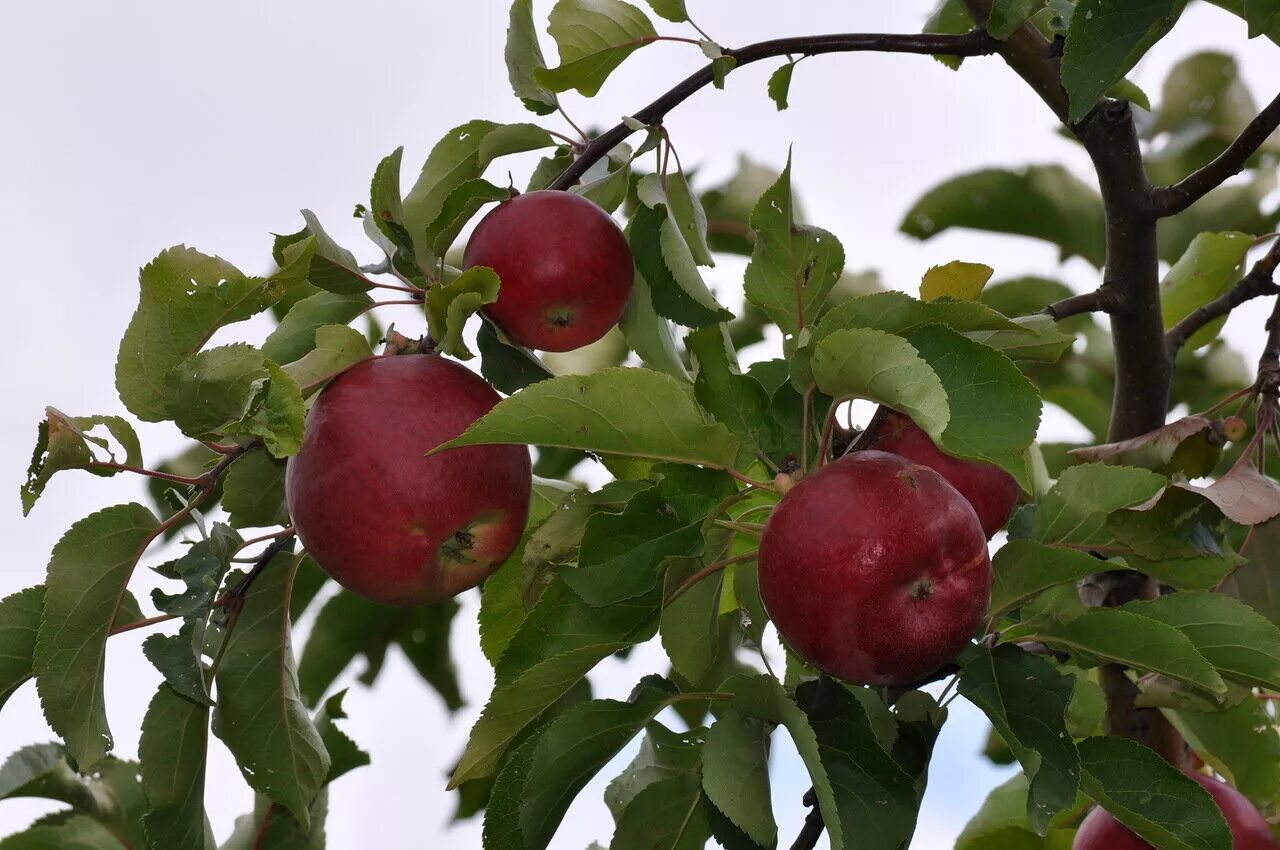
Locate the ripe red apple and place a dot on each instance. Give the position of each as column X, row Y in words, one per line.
column 381, row 517
column 1101, row 831
column 992, row 491
column 565, row 267
column 875, row 569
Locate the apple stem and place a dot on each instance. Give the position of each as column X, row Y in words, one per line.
column 828, row 428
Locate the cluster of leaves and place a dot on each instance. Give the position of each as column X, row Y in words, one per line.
column 665, row 550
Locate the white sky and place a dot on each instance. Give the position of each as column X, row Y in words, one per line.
column 132, row 126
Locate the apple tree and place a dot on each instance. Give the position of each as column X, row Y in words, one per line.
column 1122, row 634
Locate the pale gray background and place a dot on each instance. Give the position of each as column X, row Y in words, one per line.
column 132, row 126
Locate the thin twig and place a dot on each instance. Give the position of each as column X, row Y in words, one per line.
column 708, row 570
column 975, row 43
column 1171, row 200
column 1259, row 281
column 1101, row 300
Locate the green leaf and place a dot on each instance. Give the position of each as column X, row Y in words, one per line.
column 333, row 268
column 1237, row 640
column 663, row 257
column 1257, row 583
column 735, row 775
column 19, row 623
column 1105, row 40
column 650, row 335
column 386, row 208
column 672, row 10
column 666, row 815
column 507, row 366
column 1263, row 16
column 1143, row 643
column 610, row 190
column 793, row 266
column 1210, row 266
column 271, row 827
column 111, row 796
column 336, row 348
column 524, row 59
column 84, row 589
column 685, row 209
column 995, row 410
column 881, row 367
column 957, row 279
column 737, row 400
column 690, row 626
column 1241, row 743
column 779, row 86
column 1024, row 568
column 466, row 199
column 557, row 644
column 172, row 751
column 186, row 296
column 234, row 392
column 950, row 18
column 423, row 636
column 454, row 160
column 72, row 833
column 1075, row 510
column 1041, row 201
column 297, row 333
column 575, row 746
column 1026, row 698
column 253, row 491
column 594, row 37
column 450, row 305
column 260, row 716
column 1150, row 796
column 635, row 412
column 622, row 554
column 1008, row 16
column 1001, row 823
column 67, row 442
column 344, row 754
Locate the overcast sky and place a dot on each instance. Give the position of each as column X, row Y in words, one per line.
column 132, row 126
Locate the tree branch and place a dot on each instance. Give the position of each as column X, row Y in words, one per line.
column 1171, row 200
column 1102, row 300
column 1031, row 57
column 813, row 825
column 975, row 43
column 1258, row 282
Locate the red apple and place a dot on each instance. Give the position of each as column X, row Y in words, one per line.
column 565, row 267
column 992, row 491
column 874, row 569
column 1101, row 831
column 380, row 516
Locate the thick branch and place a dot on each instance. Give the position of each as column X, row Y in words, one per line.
column 1031, row 57
column 1101, row 300
column 1172, row 200
column 976, row 43
column 1258, row 282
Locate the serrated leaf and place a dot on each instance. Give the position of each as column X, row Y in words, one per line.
column 608, row 191
column 876, row 366
column 333, row 268
column 185, row 297
column 957, row 279
column 68, row 442
column 1241, row 743
column 737, row 400
column 690, row 626
column 465, row 200
column 111, row 796
column 554, row 648
column 575, row 746
column 84, row 589
column 271, row 827
column 507, row 366
column 453, row 160
column 234, row 392
column 1041, row 201
column 1008, row 16
column 672, row 10
column 594, row 38
column 1150, row 796
column 634, row 412
column 336, row 348
column 666, row 815
column 779, row 86
column 1024, row 568
column 502, row 829
column 524, row 58
column 1143, row 643
column 1234, row 638
column 296, row 334
column 1075, row 510
column 19, row 623
column 650, row 335
column 1001, row 822
column 449, row 306
column 735, row 775
column 344, row 754
column 793, row 266
column 1257, row 583
column 71, row 833
column 664, row 259
column 259, row 715
column 1207, row 269
column 1026, row 699
column 1105, row 40
column 172, row 752
column 685, row 210
column 994, row 409
column 253, row 490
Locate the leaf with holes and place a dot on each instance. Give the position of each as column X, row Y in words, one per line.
column 68, row 442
